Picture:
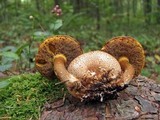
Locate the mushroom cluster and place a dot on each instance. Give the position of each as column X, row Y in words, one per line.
column 95, row 75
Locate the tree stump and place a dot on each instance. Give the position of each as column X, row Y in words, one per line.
column 136, row 102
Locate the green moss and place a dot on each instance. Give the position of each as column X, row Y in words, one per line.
column 25, row 95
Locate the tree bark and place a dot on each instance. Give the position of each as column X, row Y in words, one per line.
column 133, row 103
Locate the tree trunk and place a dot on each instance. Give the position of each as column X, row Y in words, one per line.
column 4, row 11
column 134, row 7
column 134, row 103
column 158, row 11
column 128, row 17
column 38, row 5
column 77, row 4
column 56, row 2
column 118, row 7
column 97, row 16
column 147, row 10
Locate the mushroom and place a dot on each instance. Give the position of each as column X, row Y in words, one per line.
column 87, row 75
column 96, row 71
column 93, row 75
column 130, row 55
column 56, row 53
column 104, row 74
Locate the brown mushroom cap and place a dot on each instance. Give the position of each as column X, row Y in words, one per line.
column 97, row 71
column 125, row 46
column 60, row 44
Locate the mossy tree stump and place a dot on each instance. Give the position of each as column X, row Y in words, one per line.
column 135, row 102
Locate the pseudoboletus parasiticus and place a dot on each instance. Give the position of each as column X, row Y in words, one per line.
column 130, row 55
column 94, row 75
column 60, row 48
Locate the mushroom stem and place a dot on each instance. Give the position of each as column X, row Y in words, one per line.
column 128, row 69
column 62, row 73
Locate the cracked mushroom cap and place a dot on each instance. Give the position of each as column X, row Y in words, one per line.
column 97, row 71
column 125, row 46
column 60, row 44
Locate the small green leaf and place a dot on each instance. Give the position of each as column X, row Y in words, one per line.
column 4, row 83
column 157, row 57
column 157, row 68
column 55, row 26
column 40, row 33
column 10, row 55
column 5, row 67
column 20, row 49
column 8, row 48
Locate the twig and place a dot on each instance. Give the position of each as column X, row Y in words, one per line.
column 3, row 118
column 61, row 82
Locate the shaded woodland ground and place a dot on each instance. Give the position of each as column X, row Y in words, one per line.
column 24, row 24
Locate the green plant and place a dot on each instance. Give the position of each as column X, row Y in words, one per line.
column 7, row 56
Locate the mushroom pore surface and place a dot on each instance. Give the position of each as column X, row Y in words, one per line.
column 126, row 46
column 50, row 47
column 96, row 71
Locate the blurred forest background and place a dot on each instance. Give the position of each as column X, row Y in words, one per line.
column 24, row 24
